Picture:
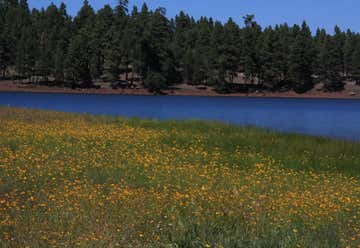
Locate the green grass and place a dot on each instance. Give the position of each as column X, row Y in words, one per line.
column 295, row 151
column 69, row 180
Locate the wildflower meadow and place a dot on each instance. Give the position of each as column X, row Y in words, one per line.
column 70, row 180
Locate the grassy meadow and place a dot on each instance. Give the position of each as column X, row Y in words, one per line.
column 70, row 180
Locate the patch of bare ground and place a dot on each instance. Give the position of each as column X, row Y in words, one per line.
column 351, row 91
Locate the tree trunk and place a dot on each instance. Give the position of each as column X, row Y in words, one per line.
column 3, row 72
column 127, row 73
column 132, row 75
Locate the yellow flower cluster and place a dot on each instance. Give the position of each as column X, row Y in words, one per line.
column 68, row 180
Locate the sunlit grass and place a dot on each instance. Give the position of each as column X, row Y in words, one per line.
column 86, row 181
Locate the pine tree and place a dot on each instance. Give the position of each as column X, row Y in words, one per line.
column 218, row 54
column 188, row 66
column 283, row 47
column 158, row 56
column 23, row 13
column 349, row 48
column 204, row 53
column 320, row 48
column 3, row 43
column 3, row 56
column 122, row 7
column 301, row 60
column 112, row 44
column 125, row 43
column 23, row 54
column 139, row 38
column 355, row 61
column 16, row 19
column 62, row 44
column 181, row 44
column 339, row 42
column 250, row 36
column 231, row 49
column 270, row 60
column 116, row 50
column 84, row 18
column 59, row 58
column 78, row 61
column 329, row 71
column 101, row 41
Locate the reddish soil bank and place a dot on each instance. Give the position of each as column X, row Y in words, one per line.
column 351, row 91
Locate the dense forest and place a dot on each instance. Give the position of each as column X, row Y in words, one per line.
column 126, row 46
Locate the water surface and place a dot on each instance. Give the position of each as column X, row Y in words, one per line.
column 321, row 117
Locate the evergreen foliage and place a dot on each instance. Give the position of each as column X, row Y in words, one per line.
column 142, row 46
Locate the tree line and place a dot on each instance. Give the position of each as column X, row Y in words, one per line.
column 125, row 46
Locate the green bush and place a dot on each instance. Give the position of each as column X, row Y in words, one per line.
column 155, row 82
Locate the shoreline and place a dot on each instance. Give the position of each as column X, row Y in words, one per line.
column 14, row 88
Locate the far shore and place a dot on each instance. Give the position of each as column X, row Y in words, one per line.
column 181, row 90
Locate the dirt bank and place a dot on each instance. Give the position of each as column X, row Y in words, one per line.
column 351, row 91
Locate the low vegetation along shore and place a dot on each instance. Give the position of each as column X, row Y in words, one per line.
column 80, row 180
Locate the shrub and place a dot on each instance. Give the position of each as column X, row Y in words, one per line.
column 155, row 82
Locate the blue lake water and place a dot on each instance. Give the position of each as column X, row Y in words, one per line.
column 321, row 117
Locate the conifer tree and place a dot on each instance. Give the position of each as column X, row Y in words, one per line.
column 59, row 60
column 301, row 60
column 283, row 47
column 349, row 49
column 339, row 42
column 204, row 52
column 231, row 51
column 122, row 7
column 111, row 44
column 78, row 61
column 101, row 40
column 84, row 18
column 24, row 62
column 116, row 51
column 159, row 59
column 3, row 57
column 330, row 70
column 250, row 36
column 3, row 44
column 270, row 60
column 181, row 45
column 320, row 48
column 355, row 61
